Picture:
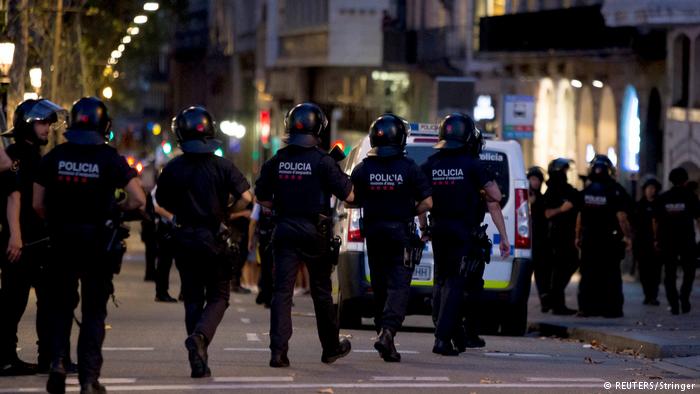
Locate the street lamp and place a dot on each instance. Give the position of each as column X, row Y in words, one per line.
column 7, row 53
column 132, row 31
column 151, row 6
column 107, row 92
column 126, row 39
column 140, row 19
column 35, row 77
column 121, row 47
column 116, row 54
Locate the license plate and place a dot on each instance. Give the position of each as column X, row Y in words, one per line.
column 422, row 273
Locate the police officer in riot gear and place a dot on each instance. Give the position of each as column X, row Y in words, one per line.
column 648, row 260
column 32, row 122
column 261, row 227
column 560, row 203
column 392, row 190
column 298, row 183
column 675, row 237
column 195, row 187
column 602, row 234
column 458, row 178
column 75, row 192
column 542, row 267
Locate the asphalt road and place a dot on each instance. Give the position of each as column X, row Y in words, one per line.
column 144, row 352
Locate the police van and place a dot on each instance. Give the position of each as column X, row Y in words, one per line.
column 507, row 280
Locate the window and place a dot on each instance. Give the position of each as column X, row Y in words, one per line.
column 696, row 73
column 681, row 70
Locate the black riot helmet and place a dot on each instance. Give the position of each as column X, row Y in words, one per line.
column 195, row 131
column 458, row 131
column 557, row 169
column 601, row 168
column 90, row 123
column 304, row 124
column 387, row 136
column 30, row 111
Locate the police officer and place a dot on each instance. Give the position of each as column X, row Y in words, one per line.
column 261, row 228
column 298, row 183
column 31, row 125
column 392, row 190
column 457, row 177
column 560, row 203
column 646, row 255
column 195, row 187
column 164, row 247
column 75, row 192
column 542, row 268
column 675, row 237
column 603, row 235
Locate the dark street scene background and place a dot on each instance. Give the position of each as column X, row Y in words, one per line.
column 561, row 78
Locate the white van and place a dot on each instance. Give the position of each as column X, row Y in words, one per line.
column 507, row 280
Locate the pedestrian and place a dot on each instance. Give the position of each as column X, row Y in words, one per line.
column 392, row 190
column 149, row 238
column 458, row 178
column 648, row 258
column 298, row 183
column 75, row 192
column 540, row 258
column 196, row 187
column 603, row 236
column 675, row 237
column 164, row 230
column 238, row 223
column 32, row 122
column 260, row 233
column 561, row 210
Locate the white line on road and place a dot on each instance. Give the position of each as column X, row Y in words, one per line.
column 253, row 379
column 579, row 380
column 240, row 310
column 410, row 378
column 524, row 355
column 128, row 349
column 245, row 320
column 252, row 337
column 315, row 386
column 246, row 349
column 374, row 351
column 74, row 381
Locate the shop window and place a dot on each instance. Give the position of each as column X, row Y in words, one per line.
column 681, row 70
column 696, row 73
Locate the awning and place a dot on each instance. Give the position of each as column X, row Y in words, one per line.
column 619, row 13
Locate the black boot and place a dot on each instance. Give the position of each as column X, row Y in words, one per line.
column 57, row 377
column 197, row 349
column 165, row 297
column 444, row 348
column 17, row 367
column 386, row 348
column 93, row 388
column 341, row 351
column 279, row 360
column 685, row 306
column 474, row 341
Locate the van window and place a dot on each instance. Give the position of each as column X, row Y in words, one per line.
column 496, row 163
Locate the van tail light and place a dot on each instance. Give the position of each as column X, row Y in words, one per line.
column 354, row 226
column 522, row 219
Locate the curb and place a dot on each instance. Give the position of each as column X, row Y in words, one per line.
column 647, row 345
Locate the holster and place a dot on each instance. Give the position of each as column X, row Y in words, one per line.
column 478, row 255
column 331, row 242
column 413, row 253
column 116, row 247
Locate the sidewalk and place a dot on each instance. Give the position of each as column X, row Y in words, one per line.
column 649, row 331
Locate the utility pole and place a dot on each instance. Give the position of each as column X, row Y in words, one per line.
column 56, row 49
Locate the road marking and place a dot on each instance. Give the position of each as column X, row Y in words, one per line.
column 252, row 337
column 240, row 310
column 245, row 320
column 253, row 379
column 128, row 349
column 316, row 386
column 246, row 349
column 374, row 351
column 74, row 381
column 411, row 378
column 579, row 380
column 524, row 355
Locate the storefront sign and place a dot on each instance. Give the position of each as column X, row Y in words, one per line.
column 519, row 117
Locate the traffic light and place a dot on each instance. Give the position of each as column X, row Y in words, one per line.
column 166, row 147
column 219, row 152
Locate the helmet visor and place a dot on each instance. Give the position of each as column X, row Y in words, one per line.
column 45, row 110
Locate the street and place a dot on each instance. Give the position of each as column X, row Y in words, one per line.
column 144, row 352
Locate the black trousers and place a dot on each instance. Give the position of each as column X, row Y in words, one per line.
column 390, row 277
column 564, row 262
column 296, row 241
column 73, row 268
column 543, row 273
column 450, row 243
column 600, row 288
column 17, row 281
column 150, row 240
column 164, row 263
column 649, row 262
column 266, row 271
column 672, row 259
column 205, row 273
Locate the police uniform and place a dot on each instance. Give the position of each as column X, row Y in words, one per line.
column 675, row 211
column 388, row 186
column 79, row 179
column 561, row 235
column 648, row 259
column 542, row 268
column 263, row 231
column 20, row 277
column 195, row 187
column 299, row 181
column 602, row 247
